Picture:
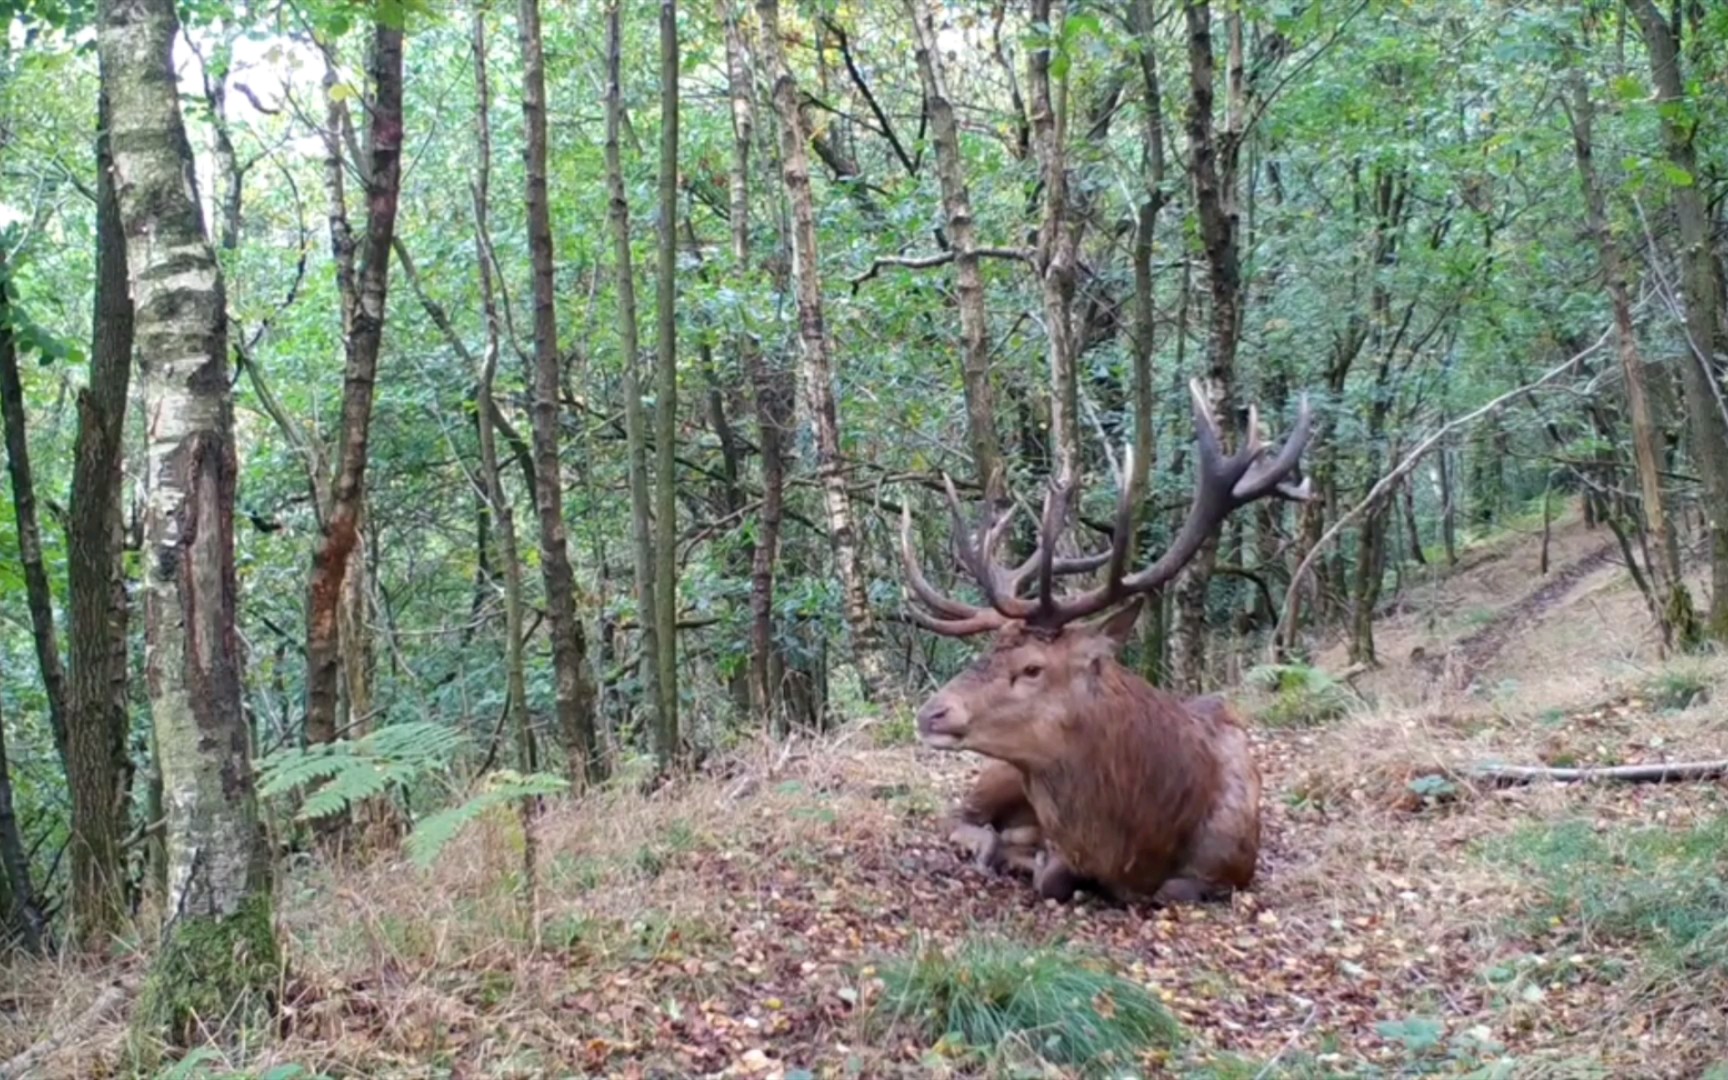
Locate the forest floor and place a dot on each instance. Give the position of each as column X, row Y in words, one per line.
column 803, row 914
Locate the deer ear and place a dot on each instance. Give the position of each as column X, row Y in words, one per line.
column 1120, row 626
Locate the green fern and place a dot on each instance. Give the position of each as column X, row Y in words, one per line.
column 1302, row 695
column 341, row 774
column 288, row 769
column 433, row 832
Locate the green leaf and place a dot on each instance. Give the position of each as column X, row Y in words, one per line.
column 1675, row 174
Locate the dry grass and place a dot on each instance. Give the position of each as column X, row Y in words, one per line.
column 733, row 925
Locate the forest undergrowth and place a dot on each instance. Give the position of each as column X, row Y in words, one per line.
column 799, row 912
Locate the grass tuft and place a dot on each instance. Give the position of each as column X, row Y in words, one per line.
column 1679, row 687
column 997, row 1000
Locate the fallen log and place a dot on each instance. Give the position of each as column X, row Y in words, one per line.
column 1674, row 772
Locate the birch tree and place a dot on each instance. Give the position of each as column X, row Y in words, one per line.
column 218, row 963
column 818, row 360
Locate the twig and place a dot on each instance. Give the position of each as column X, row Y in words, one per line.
column 925, row 262
column 106, row 1002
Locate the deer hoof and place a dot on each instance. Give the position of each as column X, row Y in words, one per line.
column 1052, row 877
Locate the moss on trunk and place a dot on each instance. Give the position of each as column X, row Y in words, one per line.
column 216, row 978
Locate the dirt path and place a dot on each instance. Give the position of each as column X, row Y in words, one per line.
column 1465, row 660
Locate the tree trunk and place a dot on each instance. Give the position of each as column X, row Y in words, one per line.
column 1448, row 502
column 968, row 280
column 37, row 592
column 363, row 332
column 97, row 718
column 515, row 679
column 23, row 913
column 1671, row 604
column 218, row 967
column 569, row 643
column 641, row 512
column 818, row 367
column 1058, row 240
column 1706, row 338
column 1215, row 206
column 772, row 395
column 666, row 741
column 1370, row 571
column 1412, row 527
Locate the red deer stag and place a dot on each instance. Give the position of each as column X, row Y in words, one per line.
column 996, row 820
column 1131, row 791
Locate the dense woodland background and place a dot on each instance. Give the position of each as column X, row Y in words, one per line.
column 583, row 360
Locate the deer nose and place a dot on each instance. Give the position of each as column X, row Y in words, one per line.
column 937, row 717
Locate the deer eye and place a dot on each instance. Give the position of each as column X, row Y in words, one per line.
column 1031, row 671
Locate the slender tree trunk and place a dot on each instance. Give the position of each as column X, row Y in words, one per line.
column 1412, row 529
column 1706, row 338
column 818, row 367
column 1058, row 240
column 968, row 279
column 365, row 295
column 516, row 685
column 569, row 642
column 1370, row 572
column 667, row 746
column 37, row 592
column 24, row 911
column 1211, row 166
column 219, row 964
column 1448, row 502
column 772, row 396
column 1672, row 602
column 1145, row 327
column 635, row 424
column 97, row 719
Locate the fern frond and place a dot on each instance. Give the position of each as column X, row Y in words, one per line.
column 433, row 832
column 287, row 771
column 358, row 783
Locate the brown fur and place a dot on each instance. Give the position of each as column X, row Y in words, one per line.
column 1129, row 787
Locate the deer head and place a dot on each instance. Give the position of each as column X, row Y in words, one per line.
column 1045, row 665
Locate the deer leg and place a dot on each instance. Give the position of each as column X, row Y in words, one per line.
column 1187, row 890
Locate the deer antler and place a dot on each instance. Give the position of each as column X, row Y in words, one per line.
column 1223, row 484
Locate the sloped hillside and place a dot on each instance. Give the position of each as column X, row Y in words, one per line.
column 801, row 913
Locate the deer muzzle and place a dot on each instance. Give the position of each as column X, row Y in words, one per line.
column 942, row 723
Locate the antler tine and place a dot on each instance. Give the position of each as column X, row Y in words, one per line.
column 975, row 557
column 1049, row 531
column 944, row 606
column 1263, row 479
